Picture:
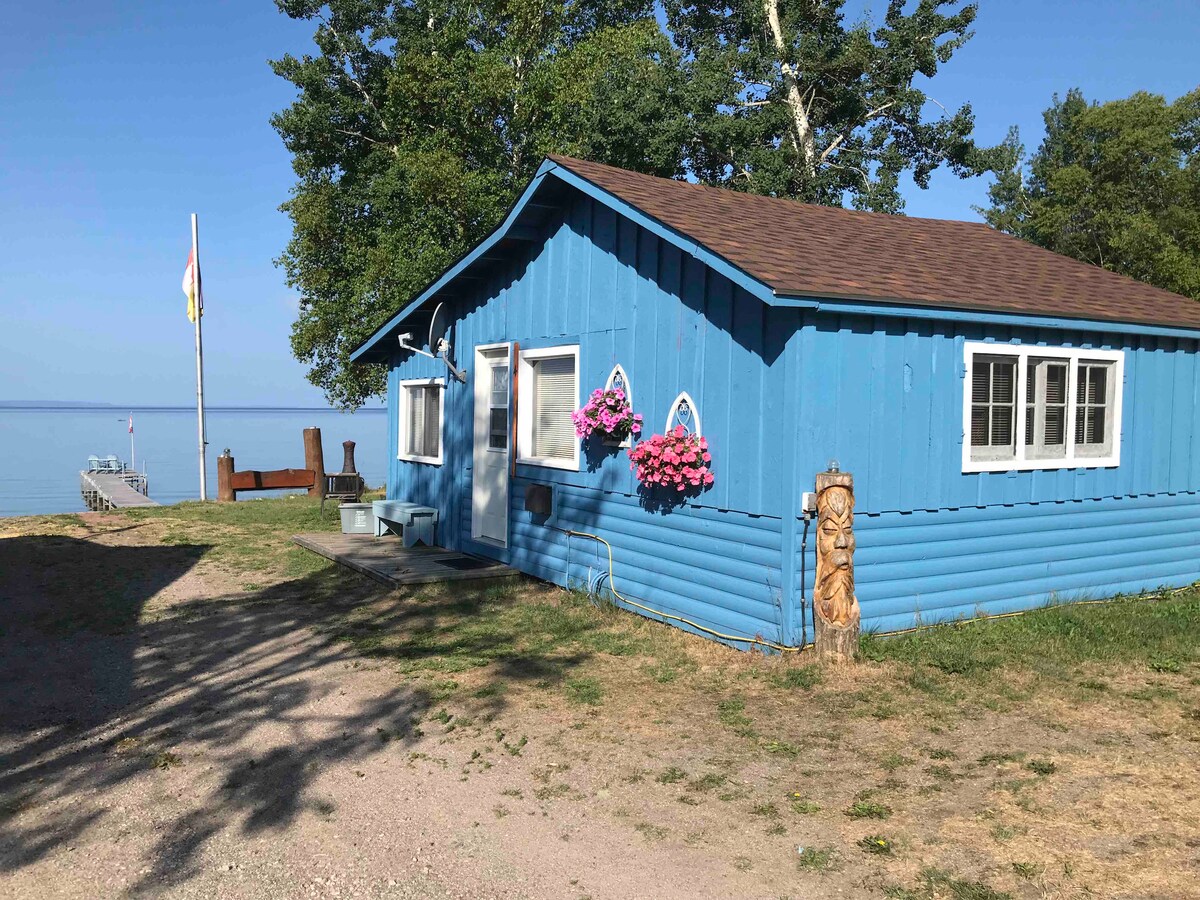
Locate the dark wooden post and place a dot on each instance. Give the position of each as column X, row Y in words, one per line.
column 314, row 459
column 348, row 458
column 835, row 608
column 225, row 491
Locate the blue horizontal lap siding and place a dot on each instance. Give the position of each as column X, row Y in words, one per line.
column 885, row 397
column 720, row 569
column 625, row 296
column 926, row 567
column 780, row 392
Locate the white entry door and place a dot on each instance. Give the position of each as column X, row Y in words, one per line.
column 489, row 485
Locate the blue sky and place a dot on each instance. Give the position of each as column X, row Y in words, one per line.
column 119, row 119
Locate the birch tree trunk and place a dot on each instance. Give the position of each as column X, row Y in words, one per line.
column 803, row 140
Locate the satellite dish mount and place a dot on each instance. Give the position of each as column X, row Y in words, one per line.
column 439, row 346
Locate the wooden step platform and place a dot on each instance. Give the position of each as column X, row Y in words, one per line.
column 386, row 560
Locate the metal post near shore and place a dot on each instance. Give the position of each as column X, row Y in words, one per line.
column 199, row 356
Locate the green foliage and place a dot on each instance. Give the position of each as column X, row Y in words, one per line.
column 584, row 691
column 936, row 884
column 804, row 677
column 803, row 104
column 876, row 844
column 1114, row 184
column 816, row 859
column 416, row 124
column 865, row 809
column 1053, row 641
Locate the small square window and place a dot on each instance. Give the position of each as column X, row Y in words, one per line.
column 421, row 421
column 548, row 386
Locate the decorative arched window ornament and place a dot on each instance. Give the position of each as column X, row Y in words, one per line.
column 618, row 380
column 684, row 412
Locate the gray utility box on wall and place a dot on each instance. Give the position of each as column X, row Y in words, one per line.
column 357, row 518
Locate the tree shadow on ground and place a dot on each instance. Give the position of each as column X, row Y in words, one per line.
column 92, row 701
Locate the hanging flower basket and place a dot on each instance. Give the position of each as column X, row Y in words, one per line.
column 607, row 414
column 677, row 461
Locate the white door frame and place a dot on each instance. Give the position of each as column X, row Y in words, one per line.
column 489, row 465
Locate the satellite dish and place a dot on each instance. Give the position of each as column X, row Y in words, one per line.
column 437, row 331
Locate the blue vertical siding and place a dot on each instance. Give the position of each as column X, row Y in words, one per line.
column 780, row 392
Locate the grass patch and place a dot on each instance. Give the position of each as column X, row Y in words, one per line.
column 876, row 845
column 936, row 884
column 584, row 691
column 1159, row 634
column 803, row 678
column 671, row 775
column 706, row 783
column 816, row 859
column 802, row 806
column 866, row 809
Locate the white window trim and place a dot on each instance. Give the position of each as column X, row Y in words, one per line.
column 684, row 397
column 404, row 417
column 1021, row 353
column 525, row 361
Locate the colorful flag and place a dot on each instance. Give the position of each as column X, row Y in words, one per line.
column 131, row 423
column 192, row 289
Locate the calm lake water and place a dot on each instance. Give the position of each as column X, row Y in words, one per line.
column 43, row 449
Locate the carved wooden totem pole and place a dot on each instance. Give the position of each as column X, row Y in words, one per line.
column 835, row 608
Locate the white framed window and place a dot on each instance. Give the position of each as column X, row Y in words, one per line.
column 547, row 394
column 1041, row 407
column 421, row 406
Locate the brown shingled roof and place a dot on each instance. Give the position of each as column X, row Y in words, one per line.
column 798, row 249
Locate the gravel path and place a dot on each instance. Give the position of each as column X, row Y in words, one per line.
column 226, row 750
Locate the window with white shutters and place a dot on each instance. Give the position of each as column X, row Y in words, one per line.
column 993, row 402
column 1093, row 424
column 421, row 421
column 548, row 394
column 1040, row 407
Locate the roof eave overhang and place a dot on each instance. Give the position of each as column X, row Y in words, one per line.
column 376, row 347
column 849, row 304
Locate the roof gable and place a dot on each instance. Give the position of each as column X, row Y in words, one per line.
column 800, row 249
column 790, row 253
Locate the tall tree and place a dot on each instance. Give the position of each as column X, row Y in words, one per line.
column 787, row 98
column 418, row 121
column 1115, row 184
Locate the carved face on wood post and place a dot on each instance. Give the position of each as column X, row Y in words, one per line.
column 834, row 589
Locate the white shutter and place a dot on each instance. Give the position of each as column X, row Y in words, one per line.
column 433, row 422
column 553, row 402
column 416, row 421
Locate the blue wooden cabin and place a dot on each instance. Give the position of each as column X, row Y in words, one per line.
column 1022, row 427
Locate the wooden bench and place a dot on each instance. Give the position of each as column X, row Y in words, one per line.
column 411, row 521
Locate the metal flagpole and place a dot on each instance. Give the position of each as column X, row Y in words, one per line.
column 199, row 357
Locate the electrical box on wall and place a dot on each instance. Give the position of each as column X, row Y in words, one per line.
column 539, row 499
column 808, row 503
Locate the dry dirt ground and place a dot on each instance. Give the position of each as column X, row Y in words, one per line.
column 169, row 728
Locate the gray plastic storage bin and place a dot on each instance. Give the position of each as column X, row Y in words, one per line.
column 357, row 518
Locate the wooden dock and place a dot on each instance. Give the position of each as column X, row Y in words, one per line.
column 387, row 561
column 107, row 490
